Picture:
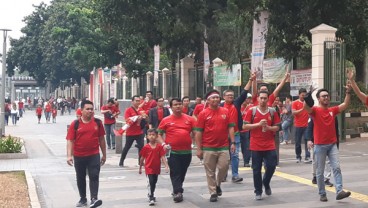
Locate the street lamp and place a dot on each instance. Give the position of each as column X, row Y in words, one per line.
column 3, row 75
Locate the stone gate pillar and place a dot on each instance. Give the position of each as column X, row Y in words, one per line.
column 186, row 64
column 320, row 34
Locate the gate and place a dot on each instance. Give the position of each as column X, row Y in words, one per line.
column 334, row 77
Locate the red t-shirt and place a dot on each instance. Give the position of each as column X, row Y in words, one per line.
column 244, row 111
column 185, row 110
column 271, row 100
column 39, row 111
column 48, row 107
column 148, row 105
column 160, row 114
column 107, row 116
column 324, row 131
column 135, row 128
column 300, row 119
column 214, row 123
column 233, row 115
column 86, row 139
column 152, row 158
column 198, row 108
column 177, row 130
column 259, row 140
column 54, row 112
column 78, row 112
column 20, row 104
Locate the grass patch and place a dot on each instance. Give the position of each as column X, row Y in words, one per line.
column 14, row 191
column 10, row 144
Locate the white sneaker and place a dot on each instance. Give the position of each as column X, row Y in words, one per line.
column 258, row 197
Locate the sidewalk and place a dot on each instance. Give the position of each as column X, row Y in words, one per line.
column 124, row 187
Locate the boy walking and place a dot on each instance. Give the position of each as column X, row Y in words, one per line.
column 39, row 113
column 151, row 156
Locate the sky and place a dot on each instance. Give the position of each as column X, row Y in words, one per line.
column 11, row 15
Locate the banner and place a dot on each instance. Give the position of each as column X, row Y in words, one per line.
column 226, row 76
column 156, row 50
column 301, row 78
column 258, row 44
column 274, row 70
column 206, row 60
column 115, row 73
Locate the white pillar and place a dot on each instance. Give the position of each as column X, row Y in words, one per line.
column 216, row 62
column 185, row 64
column 134, row 86
column 125, row 78
column 164, row 84
column 149, row 75
column 320, row 34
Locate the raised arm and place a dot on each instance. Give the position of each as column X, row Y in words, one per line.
column 281, row 85
column 343, row 106
column 360, row 94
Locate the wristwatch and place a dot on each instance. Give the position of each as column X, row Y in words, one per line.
column 232, row 142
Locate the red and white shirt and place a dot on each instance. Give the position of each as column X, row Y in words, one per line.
column 135, row 128
column 214, row 123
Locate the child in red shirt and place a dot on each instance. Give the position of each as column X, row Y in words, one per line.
column 39, row 113
column 151, row 156
column 54, row 114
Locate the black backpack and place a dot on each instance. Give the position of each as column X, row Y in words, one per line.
column 76, row 124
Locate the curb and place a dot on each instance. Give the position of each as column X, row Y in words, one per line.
column 22, row 155
column 32, row 191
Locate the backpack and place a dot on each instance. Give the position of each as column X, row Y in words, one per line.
column 76, row 125
column 271, row 110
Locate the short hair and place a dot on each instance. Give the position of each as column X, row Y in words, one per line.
column 262, row 85
column 211, row 92
column 135, row 96
column 152, row 130
column 149, row 91
column 86, row 102
column 185, row 97
column 159, row 98
column 111, row 100
column 177, row 99
column 199, row 97
column 263, row 92
column 321, row 90
column 290, row 97
column 301, row 90
column 226, row 91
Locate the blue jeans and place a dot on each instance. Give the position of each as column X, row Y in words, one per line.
column 320, row 153
column 245, row 142
column 235, row 157
column 286, row 127
column 270, row 159
column 299, row 133
column 109, row 128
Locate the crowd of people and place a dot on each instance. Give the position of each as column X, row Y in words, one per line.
column 254, row 123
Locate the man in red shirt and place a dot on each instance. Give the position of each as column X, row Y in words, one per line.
column 263, row 87
column 244, row 134
column 48, row 110
column 213, row 127
column 325, row 140
column 39, row 113
column 300, row 123
column 83, row 146
column 177, row 128
column 262, row 126
column 157, row 113
column 148, row 102
column 135, row 130
column 186, row 109
column 110, row 112
column 21, row 107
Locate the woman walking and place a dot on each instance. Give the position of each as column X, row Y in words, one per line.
column 14, row 113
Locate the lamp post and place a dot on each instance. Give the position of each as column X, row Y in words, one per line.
column 3, row 75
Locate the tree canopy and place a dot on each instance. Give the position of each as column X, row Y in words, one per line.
column 68, row 38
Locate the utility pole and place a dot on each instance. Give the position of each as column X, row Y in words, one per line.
column 3, row 81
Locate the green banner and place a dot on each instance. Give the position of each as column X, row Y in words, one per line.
column 226, row 76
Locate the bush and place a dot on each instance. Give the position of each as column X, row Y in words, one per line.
column 10, row 145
